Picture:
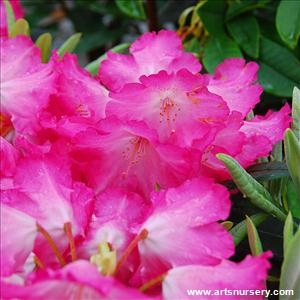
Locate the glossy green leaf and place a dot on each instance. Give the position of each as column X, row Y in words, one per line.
column 288, row 232
column 239, row 231
column 279, row 69
column 292, row 199
column 212, row 15
column 292, row 153
column 268, row 171
column 20, row 27
column 256, row 193
column 69, row 45
column 93, row 67
column 237, row 8
column 296, row 112
column 44, row 42
column 288, row 22
column 217, row 49
column 132, row 8
column 253, row 238
column 245, row 31
column 10, row 15
column 290, row 270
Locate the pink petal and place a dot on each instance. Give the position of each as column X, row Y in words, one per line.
column 271, row 126
column 234, row 81
column 18, row 233
column 25, row 82
column 250, row 274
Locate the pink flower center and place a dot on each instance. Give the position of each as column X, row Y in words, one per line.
column 169, row 110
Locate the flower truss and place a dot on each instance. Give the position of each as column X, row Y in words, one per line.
column 109, row 184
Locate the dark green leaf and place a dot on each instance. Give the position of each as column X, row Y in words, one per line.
column 239, row 231
column 239, row 7
column 245, row 30
column 212, row 15
column 132, row 8
column 279, row 69
column 217, row 49
column 288, row 21
column 292, row 198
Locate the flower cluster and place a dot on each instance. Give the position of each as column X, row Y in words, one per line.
column 109, row 183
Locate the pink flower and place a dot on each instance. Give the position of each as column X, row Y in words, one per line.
column 18, row 13
column 234, row 80
column 128, row 155
column 25, row 82
column 18, row 233
column 151, row 53
column 50, row 197
column 230, row 277
column 178, row 106
column 79, row 280
column 183, row 228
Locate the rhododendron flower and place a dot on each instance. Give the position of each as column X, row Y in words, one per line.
column 183, row 228
column 127, row 151
column 151, row 53
column 18, row 13
column 248, row 275
column 178, row 106
column 25, row 82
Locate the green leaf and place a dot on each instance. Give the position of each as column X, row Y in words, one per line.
column 292, row 154
column 256, row 193
column 20, row 27
column 44, row 42
column 217, row 49
column 69, row 45
column 288, row 232
column 288, row 22
column 10, row 15
column 239, row 231
column 296, row 112
column 132, row 8
column 227, row 224
column 93, row 67
column 290, row 270
column 292, row 199
column 212, row 15
column 253, row 238
column 279, row 69
column 245, row 31
column 239, row 7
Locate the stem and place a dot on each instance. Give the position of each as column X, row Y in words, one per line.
column 157, row 280
column 38, row 262
column 52, row 244
column 141, row 236
column 68, row 231
column 151, row 14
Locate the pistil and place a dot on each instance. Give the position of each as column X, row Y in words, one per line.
column 155, row 281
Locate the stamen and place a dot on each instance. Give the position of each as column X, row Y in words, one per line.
column 68, row 231
column 39, row 264
column 141, row 236
column 52, row 244
column 157, row 280
column 168, row 106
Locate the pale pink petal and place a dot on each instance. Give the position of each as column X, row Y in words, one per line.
column 183, row 228
column 25, row 82
column 18, row 233
column 250, row 274
column 234, row 81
